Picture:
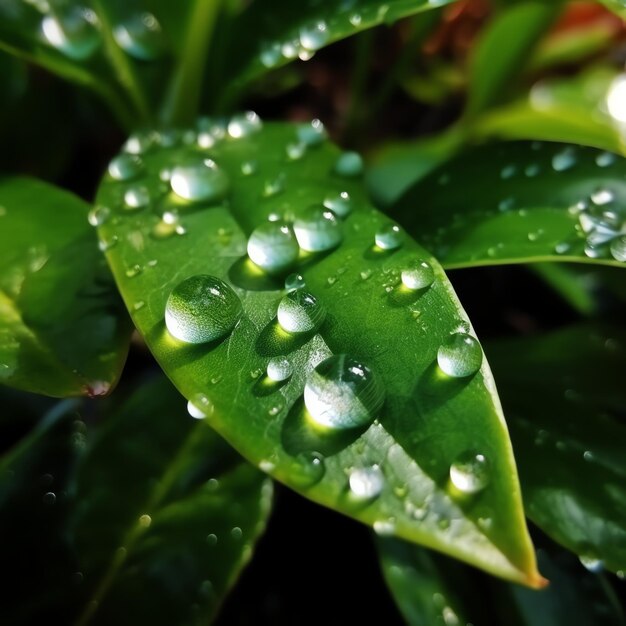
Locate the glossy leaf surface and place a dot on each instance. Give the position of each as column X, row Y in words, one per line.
column 570, row 446
column 521, row 202
column 425, row 422
column 63, row 330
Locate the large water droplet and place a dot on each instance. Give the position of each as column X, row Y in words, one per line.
column 273, row 246
column 342, row 392
column 349, row 164
column 200, row 181
column 389, row 237
column 366, row 483
column 73, row 31
column 125, row 167
column 279, row 369
column 418, row 275
column 202, row 308
column 317, row 230
column 244, row 125
column 300, row 312
column 460, row 355
column 140, row 36
column 311, row 134
column 470, row 472
column 314, row 36
column 618, row 248
column 340, row 204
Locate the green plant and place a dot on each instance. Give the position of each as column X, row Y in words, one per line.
column 311, row 333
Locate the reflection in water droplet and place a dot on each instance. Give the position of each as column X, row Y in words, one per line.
column 308, row 470
column 349, row 164
column 317, row 230
column 460, row 355
column 300, row 312
column 244, row 125
column 140, row 36
column 72, row 30
column 470, row 472
column 342, row 392
column 618, row 248
column 591, row 563
column 125, row 167
column 314, row 36
column 279, row 369
column 311, row 134
column 601, row 197
column 200, row 407
column 201, row 309
column 294, row 281
column 273, row 246
column 367, row 482
column 418, row 275
column 340, row 204
column 136, row 197
column 200, row 180
column 389, row 237
column 98, row 215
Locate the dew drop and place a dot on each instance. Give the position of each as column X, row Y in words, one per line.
column 202, row 308
column 49, row 498
column 295, row 151
column 200, row 407
column 98, row 215
column 342, row 392
column 244, row 125
column 145, row 521
column 340, row 204
column 140, row 36
column 618, row 248
column 279, row 369
column 311, row 134
column 300, row 312
column 309, row 469
column 591, row 563
column 460, row 355
column 200, row 181
column 72, row 31
column 419, row 275
column 605, row 159
column 317, row 229
column 294, row 281
column 564, row 160
column 125, row 167
column 136, row 198
column 273, row 246
column 389, row 237
column 314, row 36
column 385, row 528
column 470, row 472
column 349, row 164
column 601, row 197
column 508, row 171
column 270, row 55
column 366, row 483
column 248, row 168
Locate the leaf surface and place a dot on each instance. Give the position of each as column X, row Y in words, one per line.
column 63, row 330
column 425, row 422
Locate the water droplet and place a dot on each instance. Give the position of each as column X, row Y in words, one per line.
column 470, row 472
column 314, row 36
column 601, row 197
column 340, row 204
column 591, row 563
column 367, row 482
column 273, row 246
column 133, row 270
column 72, row 30
column 295, row 151
column 300, row 312
column 279, row 369
column 564, row 160
column 365, row 274
column 506, row 204
column 140, row 36
column 244, row 125
column 145, row 521
column 248, row 168
column 308, row 470
column 349, row 164
column 385, row 528
column 200, row 180
column 532, row 170
column 508, row 171
column 125, row 167
column 342, row 392
column 200, row 407
column 136, row 198
column 618, row 248
column 49, row 497
column 317, row 230
column 202, row 308
column 389, row 237
column 294, row 281
column 355, row 19
column 98, row 215
column 138, row 143
column 605, row 159
column 236, row 533
column 460, row 355
column 270, row 55
column 419, row 275
column 107, row 244
column 211, row 539
column 311, row 134
column 562, row 248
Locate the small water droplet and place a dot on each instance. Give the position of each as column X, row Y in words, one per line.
column 202, row 308
column 294, row 281
column 419, row 275
column 98, row 215
column 355, row 19
column 248, row 168
column 605, row 159
column 314, row 36
column 200, row 180
column 311, row 134
column 125, row 167
column 279, row 369
column 270, row 55
column 365, row 274
column 564, row 160
column 470, row 472
column 236, row 533
column 49, row 497
column 367, row 482
column 508, row 171
column 211, row 539
column 133, row 270
column 385, row 528
column 200, row 407
column 244, row 125
column 317, row 229
column 295, row 151
column 618, row 248
column 342, row 392
column 136, row 197
column 145, row 521
column 138, row 305
column 601, row 197
column 300, row 312
column 349, row 164
column 273, row 247
column 591, row 563
column 532, row 170
column 308, row 470
column 562, row 248
column 140, row 36
column 460, row 355
column 340, row 204
column 72, row 30
column 389, row 237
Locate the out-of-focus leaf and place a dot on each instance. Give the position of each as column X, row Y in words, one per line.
column 428, row 419
column 617, row 6
column 564, row 399
column 166, row 515
column 63, row 330
column 503, row 48
column 521, row 202
column 568, row 283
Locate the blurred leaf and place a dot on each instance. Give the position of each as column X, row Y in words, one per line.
column 568, row 284
column 428, row 419
column 570, row 446
column 503, row 48
column 617, row 6
column 519, row 203
column 166, row 516
column 62, row 330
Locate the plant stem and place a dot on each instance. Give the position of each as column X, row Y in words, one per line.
column 183, row 98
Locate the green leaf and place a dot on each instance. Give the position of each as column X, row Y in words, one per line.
column 428, row 418
column 503, row 48
column 521, row 202
column 62, row 329
column 570, row 446
column 161, row 536
column 617, row 6
column 264, row 38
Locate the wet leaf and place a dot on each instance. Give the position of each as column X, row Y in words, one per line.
column 398, row 464
column 63, row 331
column 521, row 202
